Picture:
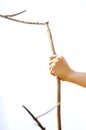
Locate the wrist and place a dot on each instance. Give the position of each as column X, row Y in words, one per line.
column 69, row 77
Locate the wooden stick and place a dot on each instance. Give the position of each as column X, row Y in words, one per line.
column 34, row 118
column 58, row 80
column 21, row 21
column 53, row 52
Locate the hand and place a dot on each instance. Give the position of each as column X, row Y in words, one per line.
column 59, row 67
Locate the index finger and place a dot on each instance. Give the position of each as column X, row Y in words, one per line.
column 53, row 56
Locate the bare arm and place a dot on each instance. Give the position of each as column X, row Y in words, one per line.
column 60, row 68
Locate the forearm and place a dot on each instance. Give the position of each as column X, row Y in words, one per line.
column 78, row 78
column 60, row 68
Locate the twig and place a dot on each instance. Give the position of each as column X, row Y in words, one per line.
column 46, row 112
column 25, row 22
column 58, row 80
column 34, row 118
column 12, row 15
column 50, row 39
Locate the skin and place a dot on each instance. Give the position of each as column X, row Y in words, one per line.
column 59, row 67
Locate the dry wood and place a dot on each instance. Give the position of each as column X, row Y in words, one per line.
column 58, row 80
column 21, row 21
column 54, row 53
column 12, row 15
column 34, row 118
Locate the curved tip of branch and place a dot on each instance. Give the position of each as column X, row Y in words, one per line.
column 47, row 22
column 12, row 15
column 24, row 11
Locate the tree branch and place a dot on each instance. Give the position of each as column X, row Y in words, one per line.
column 53, row 52
column 58, row 80
column 12, row 15
column 34, row 118
column 46, row 112
column 25, row 22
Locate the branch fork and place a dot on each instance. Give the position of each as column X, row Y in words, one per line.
column 9, row 17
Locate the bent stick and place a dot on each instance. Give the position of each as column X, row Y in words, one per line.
column 58, row 80
column 53, row 52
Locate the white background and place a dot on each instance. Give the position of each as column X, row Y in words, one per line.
column 24, row 58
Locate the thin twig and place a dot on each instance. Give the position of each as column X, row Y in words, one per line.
column 58, row 80
column 46, row 112
column 25, row 22
column 50, row 39
column 34, row 118
column 12, row 15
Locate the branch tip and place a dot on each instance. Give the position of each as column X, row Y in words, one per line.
column 12, row 15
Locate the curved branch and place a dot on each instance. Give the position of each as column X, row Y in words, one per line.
column 25, row 22
column 34, row 118
column 12, row 15
column 46, row 112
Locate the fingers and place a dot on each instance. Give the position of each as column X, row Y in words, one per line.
column 51, row 69
column 55, row 56
column 54, row 59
